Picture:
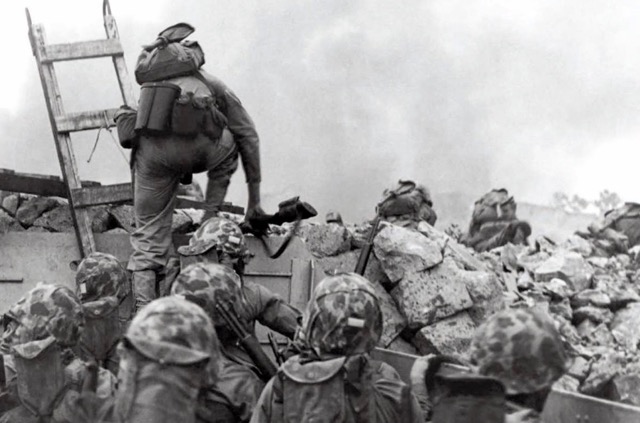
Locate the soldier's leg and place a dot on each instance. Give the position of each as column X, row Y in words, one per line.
column 155, row 192
column 223, row 162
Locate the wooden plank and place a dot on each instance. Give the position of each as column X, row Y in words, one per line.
column 187, row 203
column 571, row 407
column 83, row 121
column 81, row 50
column 126, row 86
column 107, row 194
column 30, row 183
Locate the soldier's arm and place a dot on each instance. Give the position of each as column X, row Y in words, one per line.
column 245, row 135
column 271, row 310
column 269, row 407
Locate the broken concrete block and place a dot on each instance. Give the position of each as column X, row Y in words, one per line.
column 595, row 314
column 577, row 244
column 601, row 336
column 580, row 368
column 102, row 220
column 569, row 266
column 450, row 336
column 8, row 223
column 426, row 297
column 625, row 387
column 393, row 322
column 486, row 293
column 561, row 308
column 557, row 289
column 57, row 219
column 328, row 240
column 125, row 216
column 525, row 281
column 593, row 297
column 404, row 251
column 624, row 326
column 567, row 383
column 33, row 208
column 11, row 203
column 603, row 370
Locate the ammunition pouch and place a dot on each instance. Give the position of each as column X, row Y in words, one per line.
column 156, row 107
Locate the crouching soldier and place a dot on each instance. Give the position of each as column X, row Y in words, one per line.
column 162, row 360
column 103, row 286
column 220, row 240
column 236, row 388
column 516, row 356
column 334, row 379
column 494, row 223
column 42, row 372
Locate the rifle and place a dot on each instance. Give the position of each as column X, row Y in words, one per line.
column 248, row 340
column 361, row 266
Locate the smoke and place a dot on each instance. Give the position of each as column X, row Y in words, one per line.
column 349, row 97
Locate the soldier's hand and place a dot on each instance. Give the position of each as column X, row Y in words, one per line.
column 254, row 212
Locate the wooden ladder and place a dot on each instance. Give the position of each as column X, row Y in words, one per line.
column 63, row 124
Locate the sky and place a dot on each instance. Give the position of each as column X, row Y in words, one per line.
column 348, row 97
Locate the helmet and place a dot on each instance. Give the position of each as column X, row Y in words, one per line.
column 343, row 316
column 46, row 310
column 218, row 232
column 521, row 348
column 101, row 275
column 175, row 331
column 207, row 283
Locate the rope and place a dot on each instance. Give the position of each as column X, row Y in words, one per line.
column 108, row 129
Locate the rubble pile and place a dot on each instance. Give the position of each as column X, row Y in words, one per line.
column 435, row 292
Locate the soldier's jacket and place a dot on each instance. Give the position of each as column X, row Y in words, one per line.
column 236, row 388
column 267, row 308
column 389, row 398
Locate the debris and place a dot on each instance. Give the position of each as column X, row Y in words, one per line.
column 450, row 336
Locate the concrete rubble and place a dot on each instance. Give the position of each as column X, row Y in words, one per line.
column 435, row 292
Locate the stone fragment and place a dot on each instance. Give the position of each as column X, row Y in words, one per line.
column 328, row 239
column 525, row 281
column 116, row 231
column 400, row 345
column 426, row 297
column 486, row 293
column 595, row 314
column 586, row 328
column 192, row 191
column 567, row 383
column 33, row 208
column 347, row 263
column 580, row 368
column 102, row 220
column 57, row 219
column 625, row 387
column 625, row 326
column 557, row 289
column 600, row 262
column 181, row 222
column 393, row 322
column 124, row 216
column 404, row 251
column 561, row 308
column 568, row 266
column 36, row 229
column 11, row 203
column 593, row 297
column 450, row 336
column 8, row 223
column 577, row 244
column 603, row 370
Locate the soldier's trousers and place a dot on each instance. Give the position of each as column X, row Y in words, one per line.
column 159, row 164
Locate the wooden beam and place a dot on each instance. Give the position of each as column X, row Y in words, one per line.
column 82, row 121
column 81, row 50
column 29, row 183
column 107, row 194
column 186, row 203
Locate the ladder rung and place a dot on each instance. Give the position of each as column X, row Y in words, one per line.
column 107, row 194
column 29, row 183
column 81, row 50
column 83, row 121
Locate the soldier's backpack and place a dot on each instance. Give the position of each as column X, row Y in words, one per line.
column 408, row 200
column 493, row 206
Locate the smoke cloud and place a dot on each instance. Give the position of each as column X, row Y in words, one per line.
column 348, row 97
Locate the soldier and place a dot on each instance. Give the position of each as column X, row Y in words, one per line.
column 103, row 286
column 334, row 379
column 517, row 354
column 407, row 205
column 42, row 373
column 163, row 355
column 236, row 389
column 221, row 241
column 219, row 131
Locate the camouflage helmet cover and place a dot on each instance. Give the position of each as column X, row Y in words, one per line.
column 175, row 331
column 208, row 283
column 521, row 348
column 46, row 310
column 101, row 275
column 218, row 232
column 343, row 316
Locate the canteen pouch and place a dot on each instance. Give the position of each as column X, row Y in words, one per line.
column 156, row 107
